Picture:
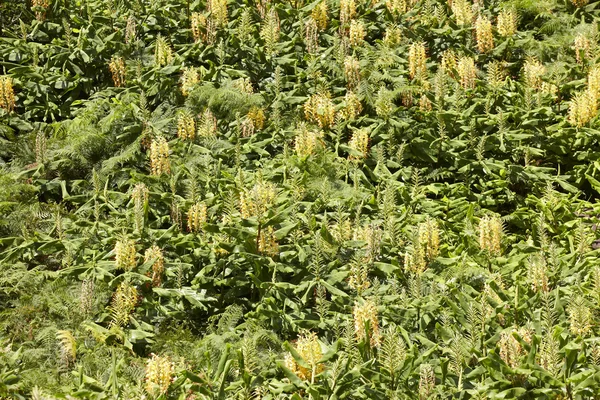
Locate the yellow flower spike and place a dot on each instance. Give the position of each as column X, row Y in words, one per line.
column 467, row 72
column 197, row 215
column 490, row 234
column 207, row 127
column 311, row 36
column 257, row 201
column 507, row 22
column 352, row 71
column 309, row 348
column 7, row 93
column 125, row 254
column 367, row 311
column 357, row 33
column 189, row 78
column 163, row 54
column 532, row 73
column 122, row 305
column 307, row 142
column 160, row 373
column 510, row 348
column 118, row 71
column 320, row 15
column 448, row 63
column 218, row 11
column 347, row 11
column 396, row 7
column 392, row 36
column 463, row 12
column 159, row 156
column 319, row 108
column 267, row 243
column 483, row 34
column 158, row 266
column 360, row 142
column 417, row 61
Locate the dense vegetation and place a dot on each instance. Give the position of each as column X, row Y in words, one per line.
column 263, row 199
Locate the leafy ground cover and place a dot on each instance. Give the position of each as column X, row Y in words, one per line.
column 264, row 199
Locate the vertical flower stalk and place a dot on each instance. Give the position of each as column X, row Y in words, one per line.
column 359, row 142
column 159, row 157
column 507, row 22
column 267, row 243
column 125, row 254
column 347, row 11
column 426, row 381
column 532, row 73
column 319, row 108
column 160, row 373
column 207, row 126
column 417, row 59
column 483, row 34
column 467, row 72
column 140, row 203
column 490, row 234
column 366, row 313
column 307, row 142
column 351, row 108
column 197, row 215
column 186, row 126
column 158, row 267
column 357, row 33
column 40, row 147
column 309, row 348
column 218, row 11
column 130, row 30
column 122, row 304
column 583, row 48
column 311, row 36
column 189, row 79
column 352, row 72
column 118, row 71
column 463, row 12
column 270, row 31
column 320, row 15
column 163, row 54
column 7, row 94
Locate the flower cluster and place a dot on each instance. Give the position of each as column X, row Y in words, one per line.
column 267, row 242
column 490, row 234
column 197, row 215
column 483, row 34
column 186, row 126
column 307, row 142
column 359, row 142
column 160, row 371
column 319, row 108
column 507, row 22
column 163, row 54
column 125, row 254
column 189, row 78
column 366, row 313
column 467, row 72
column 123, row 303
column 257, row 201
column 117, row 70
column 7, row 93
column 417, row 61
column 309, row 348
column 159, row 156
column 158, row 267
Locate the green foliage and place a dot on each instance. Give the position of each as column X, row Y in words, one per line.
column 260, row 200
